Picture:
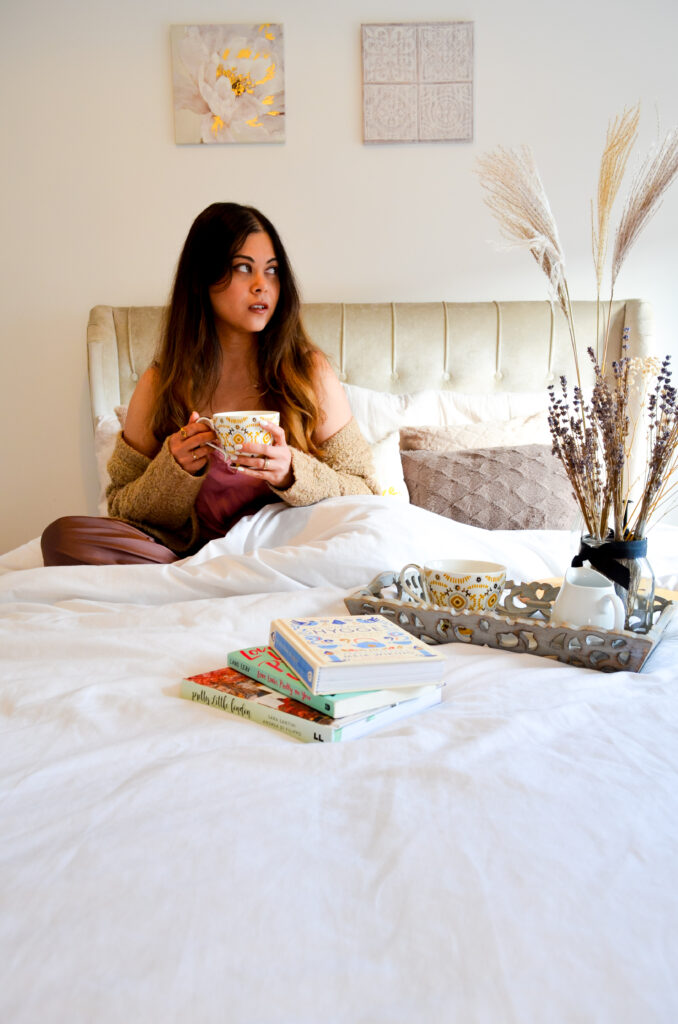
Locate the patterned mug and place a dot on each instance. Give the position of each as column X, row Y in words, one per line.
column 460, row 585
column 234, row 429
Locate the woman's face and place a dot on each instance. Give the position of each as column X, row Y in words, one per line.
column 246, row 303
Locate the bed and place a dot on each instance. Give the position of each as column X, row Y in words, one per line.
column 509, row 856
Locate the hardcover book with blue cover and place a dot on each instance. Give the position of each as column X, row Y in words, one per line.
column 333, row 654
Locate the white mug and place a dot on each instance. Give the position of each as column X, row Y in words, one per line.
column 587, row 598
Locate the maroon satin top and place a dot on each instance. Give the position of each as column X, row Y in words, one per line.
column 226, row 496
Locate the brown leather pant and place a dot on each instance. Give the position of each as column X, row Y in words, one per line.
column 89, row 540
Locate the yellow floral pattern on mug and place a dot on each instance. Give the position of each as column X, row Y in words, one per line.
column 474, row 592
column 237, row 428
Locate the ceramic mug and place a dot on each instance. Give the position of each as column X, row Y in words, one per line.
column 457, row 584
column 241, row 427
column 587, row 598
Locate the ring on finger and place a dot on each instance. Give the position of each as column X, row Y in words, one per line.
column 183, row 433
column 194, row 455
column 265, row 458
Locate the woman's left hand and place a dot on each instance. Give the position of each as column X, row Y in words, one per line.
column 269, row 462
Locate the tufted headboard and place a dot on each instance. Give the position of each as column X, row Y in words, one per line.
column 398, row 347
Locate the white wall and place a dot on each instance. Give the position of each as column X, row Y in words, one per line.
column 97, row 198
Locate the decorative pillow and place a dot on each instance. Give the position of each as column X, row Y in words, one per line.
column 522, row 430
column 523, row 488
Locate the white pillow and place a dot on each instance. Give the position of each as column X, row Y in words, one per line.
column 379, row 413
column 456, row 407
column 106, row 430
column 389, row 468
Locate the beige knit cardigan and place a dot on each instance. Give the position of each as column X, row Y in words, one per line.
column 158, row 496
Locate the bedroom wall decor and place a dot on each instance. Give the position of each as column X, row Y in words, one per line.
column 418, row 82
column 228, row 83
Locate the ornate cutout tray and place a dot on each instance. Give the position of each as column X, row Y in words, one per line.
column 520, row 623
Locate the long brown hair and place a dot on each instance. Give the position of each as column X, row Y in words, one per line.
column 189, row 357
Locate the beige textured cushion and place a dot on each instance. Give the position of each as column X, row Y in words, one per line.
column 532, row 429
column 521, row 488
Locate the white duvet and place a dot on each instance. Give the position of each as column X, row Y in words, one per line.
column 510, row 856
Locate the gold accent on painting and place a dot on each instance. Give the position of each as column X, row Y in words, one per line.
column 268, row 76
column 239, row 83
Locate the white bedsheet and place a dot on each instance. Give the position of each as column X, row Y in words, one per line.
column 508, row 857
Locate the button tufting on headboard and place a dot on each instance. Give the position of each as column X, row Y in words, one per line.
column 550, row 376
column 342, row 344
column 394, row 372
column 130, row 343
column 447, row 376
column 498, row 375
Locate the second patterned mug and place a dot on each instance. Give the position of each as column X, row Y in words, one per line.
column 457, row 584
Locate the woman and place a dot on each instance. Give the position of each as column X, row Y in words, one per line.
column 233, row 339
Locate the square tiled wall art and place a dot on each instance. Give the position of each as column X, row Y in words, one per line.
column 418, row 82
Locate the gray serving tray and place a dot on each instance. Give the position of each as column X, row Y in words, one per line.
column 520, row 623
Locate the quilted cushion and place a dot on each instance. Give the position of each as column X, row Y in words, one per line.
column 522, row 488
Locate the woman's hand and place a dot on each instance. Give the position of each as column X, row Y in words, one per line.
column 189, row 445
column 269, row 462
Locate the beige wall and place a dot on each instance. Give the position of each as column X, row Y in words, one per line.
column 97, row 199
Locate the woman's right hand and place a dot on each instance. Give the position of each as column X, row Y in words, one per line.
column 189, row 445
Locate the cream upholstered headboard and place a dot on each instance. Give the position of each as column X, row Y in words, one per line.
column 397, row 347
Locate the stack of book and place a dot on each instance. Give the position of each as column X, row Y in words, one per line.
column 325, row 679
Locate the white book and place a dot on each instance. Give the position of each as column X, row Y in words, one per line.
column 335, row 654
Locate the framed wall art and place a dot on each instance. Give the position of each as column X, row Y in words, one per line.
column 228, row 83
column 418, row 82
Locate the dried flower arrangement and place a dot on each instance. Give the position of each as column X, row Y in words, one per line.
column 593, row 435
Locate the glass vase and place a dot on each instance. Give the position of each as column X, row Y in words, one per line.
column 626, row 564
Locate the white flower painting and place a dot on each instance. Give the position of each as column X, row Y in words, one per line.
column 228, row 83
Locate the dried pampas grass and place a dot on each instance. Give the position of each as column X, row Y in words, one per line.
column 655, row 176
column 517, row 198
column 592, row 438
column 621, row 135
column 515, row 194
